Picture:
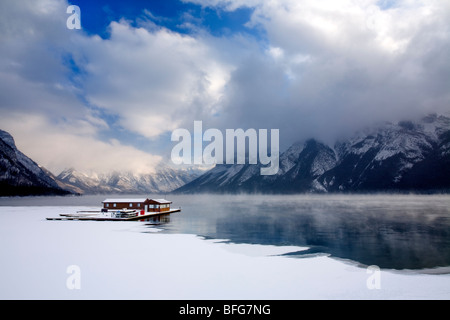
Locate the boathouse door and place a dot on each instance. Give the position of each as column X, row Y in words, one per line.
column 146, row 208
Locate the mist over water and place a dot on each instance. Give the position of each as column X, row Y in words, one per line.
column 390, row 231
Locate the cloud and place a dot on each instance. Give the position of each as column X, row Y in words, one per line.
column 33, row 75
column 152, row 79
column 315, row 69
column 42, row 102
column 63, row 91
column 74, row 144
column 331, row 67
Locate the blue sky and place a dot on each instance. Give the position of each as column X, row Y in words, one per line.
column 177, row 16
column 171, row 14
column 108, row 96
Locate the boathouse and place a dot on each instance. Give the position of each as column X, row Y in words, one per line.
column 158, row 205
column 147, row 205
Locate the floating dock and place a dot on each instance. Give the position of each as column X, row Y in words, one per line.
column 99, row 216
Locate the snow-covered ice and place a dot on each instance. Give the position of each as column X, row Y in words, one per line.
column 129, row 260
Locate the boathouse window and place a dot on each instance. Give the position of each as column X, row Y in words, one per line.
column 131, row 205
column 139, row 205
column 107, row 205
column 115, row 205
column 152, row 206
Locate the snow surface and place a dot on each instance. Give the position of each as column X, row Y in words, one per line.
column 129, row 260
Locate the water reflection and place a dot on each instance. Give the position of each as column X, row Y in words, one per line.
column 400, row 232
column 157, row 220
column 399, row 244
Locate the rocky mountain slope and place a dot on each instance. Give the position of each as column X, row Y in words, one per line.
column 406, row 156
column 403, row 156
column 19, row 175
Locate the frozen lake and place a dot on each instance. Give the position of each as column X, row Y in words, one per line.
column 231, row 247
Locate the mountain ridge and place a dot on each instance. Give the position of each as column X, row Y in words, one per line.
column 394, row 157
column 164, row 180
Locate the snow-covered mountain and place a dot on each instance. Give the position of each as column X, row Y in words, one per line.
column 299, row 166
column 402, row 156
column 19, row 175
column 165, row 179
